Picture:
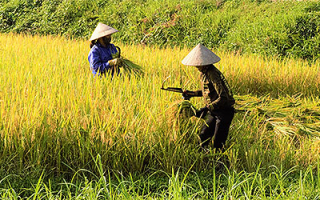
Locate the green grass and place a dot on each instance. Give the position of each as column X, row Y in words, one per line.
column 264, row 183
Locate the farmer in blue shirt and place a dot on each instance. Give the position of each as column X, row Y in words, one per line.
column 102, row 53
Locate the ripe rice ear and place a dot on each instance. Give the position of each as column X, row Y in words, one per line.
column 179, row 111
column 131, row 68
column 128, row 66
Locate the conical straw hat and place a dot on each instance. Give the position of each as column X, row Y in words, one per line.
column 200, row 56
column 101, row 31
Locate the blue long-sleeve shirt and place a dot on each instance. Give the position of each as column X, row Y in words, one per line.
column 98, row 58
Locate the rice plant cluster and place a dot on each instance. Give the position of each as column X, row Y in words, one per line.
column 56, row 118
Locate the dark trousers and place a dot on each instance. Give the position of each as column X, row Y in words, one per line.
column 217, row 127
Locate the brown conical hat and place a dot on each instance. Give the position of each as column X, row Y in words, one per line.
column 101, row 31
column 200, row 56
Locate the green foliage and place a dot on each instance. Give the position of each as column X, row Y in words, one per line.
column 304, row 36
column 285, row 28
column 282, row 29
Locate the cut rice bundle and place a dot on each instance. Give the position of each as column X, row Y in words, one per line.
column 131, row 68
column 128, row 66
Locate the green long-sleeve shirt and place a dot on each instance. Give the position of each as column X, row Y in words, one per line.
column 215, row 89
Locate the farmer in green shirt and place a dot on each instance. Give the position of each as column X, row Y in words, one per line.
column 217, row 95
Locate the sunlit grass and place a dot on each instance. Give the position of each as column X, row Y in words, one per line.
column 55, row 115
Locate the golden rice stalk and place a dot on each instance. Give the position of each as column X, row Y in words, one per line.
column 179, row 111
column 128, row 66
column 131, row 68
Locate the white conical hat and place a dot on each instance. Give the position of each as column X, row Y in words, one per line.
column 101, row 31
column 200, row 56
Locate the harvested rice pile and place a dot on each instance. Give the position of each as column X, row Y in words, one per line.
column 285, row 116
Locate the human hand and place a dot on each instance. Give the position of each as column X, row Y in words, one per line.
column 202, row 112
column 115, row 62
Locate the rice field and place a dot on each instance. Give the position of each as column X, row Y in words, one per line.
column 57, row 120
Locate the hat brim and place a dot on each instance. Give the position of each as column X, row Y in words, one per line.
column 101, row 31
column 200, row 56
